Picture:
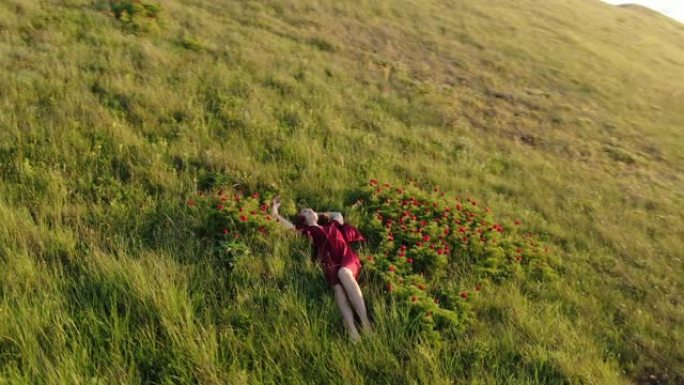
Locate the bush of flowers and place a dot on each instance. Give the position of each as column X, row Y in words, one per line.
column 232, row 222
column 425, row 245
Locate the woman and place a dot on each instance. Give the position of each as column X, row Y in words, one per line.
column 340, row 263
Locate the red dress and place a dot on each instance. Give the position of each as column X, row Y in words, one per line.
column 331, row 243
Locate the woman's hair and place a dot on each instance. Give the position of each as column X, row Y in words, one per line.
column 324, row 219
column 299, row 220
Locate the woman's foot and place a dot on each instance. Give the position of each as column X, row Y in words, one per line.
column 366, row 328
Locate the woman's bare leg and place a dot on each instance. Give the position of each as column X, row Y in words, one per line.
column 351, row 287
column 347, row 314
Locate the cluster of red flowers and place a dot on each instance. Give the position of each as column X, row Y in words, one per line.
column 232, row 214
column 422, row 234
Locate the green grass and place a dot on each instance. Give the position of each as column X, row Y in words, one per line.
column 566, row 114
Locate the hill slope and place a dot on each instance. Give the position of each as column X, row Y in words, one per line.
column 566, row 114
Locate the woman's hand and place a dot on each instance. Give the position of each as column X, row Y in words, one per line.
column 275, row 204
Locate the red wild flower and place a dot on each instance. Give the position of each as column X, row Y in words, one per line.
column 191, row 202
column 243, row 218
column 219, row 207
column 517, row 222
column 426, row 238
column 225, row 231
column 464, row 294
column 373, row 182
column 392, row 268
column 409, row 260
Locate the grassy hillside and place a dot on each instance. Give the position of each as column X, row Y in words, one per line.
column 566, row 114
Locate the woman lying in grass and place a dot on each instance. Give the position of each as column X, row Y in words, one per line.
column 331, row 238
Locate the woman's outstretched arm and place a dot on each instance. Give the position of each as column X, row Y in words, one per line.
column 275, row 205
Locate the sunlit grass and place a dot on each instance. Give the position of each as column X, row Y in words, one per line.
column 565, row 114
